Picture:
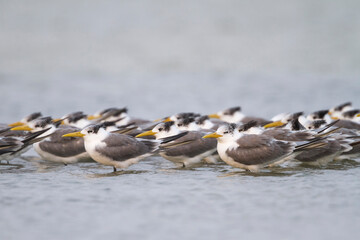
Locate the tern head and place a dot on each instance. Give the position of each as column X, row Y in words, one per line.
column 115, row 114
column 351, row 114
column 93, row 130
column 74, row 118
column 336, row 112
column 318, row 115
column 36, row 125
column 247, row 126
column 316, row 124
column 106, row 113
column 161, row 130
column 187, row 124
column 295, row 125
column 180, row 116
column 225, row 132
column 26, row 119
column 44, row 124
column 231, row 115
column 204, row 122
column 284, row 120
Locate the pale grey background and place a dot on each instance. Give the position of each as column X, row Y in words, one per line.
column 162, row 57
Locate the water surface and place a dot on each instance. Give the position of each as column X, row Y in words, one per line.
column 159, row 58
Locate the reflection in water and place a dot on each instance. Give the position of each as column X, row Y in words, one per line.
column 114, row 174
column 5, row 167
column 292, row 169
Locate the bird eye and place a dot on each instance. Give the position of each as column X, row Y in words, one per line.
column 37, row 125
column 160, row 129
column 226, row 132
column 179, row 124
column 90, row 131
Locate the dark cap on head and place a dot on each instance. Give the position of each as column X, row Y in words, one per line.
column 248, row 125
column 341, row 106
column 320, row 114
column 167, row 125
column 231, row 111
column 351, row 113
column 33, row 116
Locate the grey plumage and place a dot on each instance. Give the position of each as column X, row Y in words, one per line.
column 63, row 147
column 287, row 135
column 259, row 149
column 122, row 147
column 190, row 145
column 329, row 148
column 258, row 120
column 347, row 124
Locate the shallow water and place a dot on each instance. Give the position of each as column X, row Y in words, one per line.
column 157, row 60
column 154, row 200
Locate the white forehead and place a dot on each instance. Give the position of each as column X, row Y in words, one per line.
column 280, row 116
column 223, row 128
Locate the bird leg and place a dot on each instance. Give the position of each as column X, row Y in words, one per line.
column 114, row 169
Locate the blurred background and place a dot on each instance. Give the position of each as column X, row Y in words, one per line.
column 161, row 57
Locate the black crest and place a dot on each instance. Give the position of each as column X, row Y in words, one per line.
column 232, row 110
column 232, row 127
column 186, row 115
column 200, row 120
column 109, row 124
column 95, row 128
column 118, row 111
column 351, row 113
column 186, row 121
column 296, row 125
column 320, row 114
column 42, row 122
column 33, row 116
column 296, row 115
column 248, row 125
column 167, row 125
column 341, row 106
column 107, row 110
column 76, row 116
column 316, row 124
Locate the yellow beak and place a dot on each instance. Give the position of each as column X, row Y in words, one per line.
column 56, row 120
column 212, row 135
column 274, row 124
column 73, row 134
column 215, row 115
column 358, row 115
column 167, row 119
column 16, row 124
column 147, row 133
column 92, row 117
column 158, row 120
column 22, row 128
column 334, row 118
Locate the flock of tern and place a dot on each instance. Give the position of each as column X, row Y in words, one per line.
column 111, row 137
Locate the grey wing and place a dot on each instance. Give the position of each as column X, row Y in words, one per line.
column 138, row 122
column 257, row 149
column 347, row 124
column 190, row 145
column 260, row 121
column 63, row 147
column 122, row 147
column 314, row 154
column 287, row 135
